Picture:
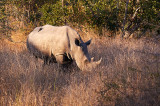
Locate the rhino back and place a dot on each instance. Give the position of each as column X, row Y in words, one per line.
column 51, row 39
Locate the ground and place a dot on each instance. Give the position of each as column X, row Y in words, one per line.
column 129, row 74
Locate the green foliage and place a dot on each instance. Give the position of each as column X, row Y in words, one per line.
column 148, row 15
column 150, row 10
column 3, row 18
column 2, row 11
column 52, row 14
column 103, row 13
column 96, row 14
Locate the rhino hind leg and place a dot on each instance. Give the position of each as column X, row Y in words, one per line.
column 46, row 60
column 52, row 59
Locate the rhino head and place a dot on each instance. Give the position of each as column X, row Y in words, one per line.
column 82, row 57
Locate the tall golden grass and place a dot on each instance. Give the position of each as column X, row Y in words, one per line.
column 128, row 75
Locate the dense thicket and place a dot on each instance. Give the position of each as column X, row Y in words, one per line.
column 101, row 15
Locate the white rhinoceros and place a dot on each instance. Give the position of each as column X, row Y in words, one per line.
column 60, row 44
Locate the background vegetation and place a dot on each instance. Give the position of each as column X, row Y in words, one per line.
column 131, row 16
column 129, row 74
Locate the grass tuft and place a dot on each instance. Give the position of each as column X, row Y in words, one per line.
column 128, row 75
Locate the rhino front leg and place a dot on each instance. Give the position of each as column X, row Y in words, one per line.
column 63, row 59
column 59, row 59
column 46, row 60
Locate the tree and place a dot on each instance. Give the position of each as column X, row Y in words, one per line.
column 124, row 21
column 101, row 15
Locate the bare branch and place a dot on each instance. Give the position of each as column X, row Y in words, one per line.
column 135, row 13
column 124, row 21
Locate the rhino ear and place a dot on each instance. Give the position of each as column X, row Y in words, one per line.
column 88, row 42
column 77, row 42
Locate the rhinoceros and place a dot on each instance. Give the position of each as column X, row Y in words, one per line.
column 60, row 44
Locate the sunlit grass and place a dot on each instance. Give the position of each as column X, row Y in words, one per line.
column 128, row 75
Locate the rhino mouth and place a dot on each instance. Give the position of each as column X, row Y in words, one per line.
column 89, row 65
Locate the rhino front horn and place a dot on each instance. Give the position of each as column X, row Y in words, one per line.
column 94, row 64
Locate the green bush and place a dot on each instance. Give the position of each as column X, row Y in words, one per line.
column 96, row 14
column 52, row 14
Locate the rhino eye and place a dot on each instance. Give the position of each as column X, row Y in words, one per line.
column 77, row 42
column 86, row 61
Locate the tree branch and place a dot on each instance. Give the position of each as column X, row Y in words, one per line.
column 124, row 21
column 135, row 13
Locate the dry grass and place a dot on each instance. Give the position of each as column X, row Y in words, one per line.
column 128, row 75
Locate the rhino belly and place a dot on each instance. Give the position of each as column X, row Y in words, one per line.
column 38, row 52
column 64, row 58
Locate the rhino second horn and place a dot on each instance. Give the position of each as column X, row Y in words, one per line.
column 92, row 59
column 98, row 62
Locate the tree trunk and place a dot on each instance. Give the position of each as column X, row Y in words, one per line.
column 65, row 22
column 62, row 4
column 124, row 21
column 117, row 4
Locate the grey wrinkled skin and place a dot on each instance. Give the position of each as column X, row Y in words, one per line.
column 60, row 44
